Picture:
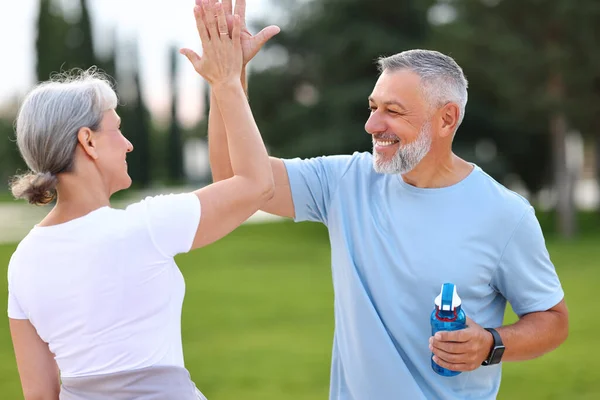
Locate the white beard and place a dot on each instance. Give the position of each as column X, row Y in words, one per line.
column 407, row 156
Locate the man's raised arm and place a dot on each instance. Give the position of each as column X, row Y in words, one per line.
column 281, row 204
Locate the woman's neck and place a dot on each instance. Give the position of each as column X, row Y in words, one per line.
column 77, row 196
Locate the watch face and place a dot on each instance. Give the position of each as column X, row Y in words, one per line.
column 497, row 355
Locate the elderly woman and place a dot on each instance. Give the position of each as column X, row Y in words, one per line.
column 95, row 296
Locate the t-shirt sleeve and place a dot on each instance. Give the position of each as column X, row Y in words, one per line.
column 313, row 183
column 525, row 276
column 14, row 308
column 172, row 221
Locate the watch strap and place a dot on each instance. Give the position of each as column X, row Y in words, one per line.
column 497, row 350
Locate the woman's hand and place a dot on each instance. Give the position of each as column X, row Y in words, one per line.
column 222, row 58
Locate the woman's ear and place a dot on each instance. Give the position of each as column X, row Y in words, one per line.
column 86, row 139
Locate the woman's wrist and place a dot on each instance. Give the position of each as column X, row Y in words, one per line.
column 228, row 85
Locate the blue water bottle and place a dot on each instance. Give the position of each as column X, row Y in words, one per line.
column 447, row 316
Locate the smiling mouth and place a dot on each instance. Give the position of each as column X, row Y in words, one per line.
column 385, row 143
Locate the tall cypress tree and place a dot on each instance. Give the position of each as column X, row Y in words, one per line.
column 80, row 42
column 175, row 145
column 50, row 42
column 141, row 117
column 61, row 45
column 109, row 63
column 134, row 117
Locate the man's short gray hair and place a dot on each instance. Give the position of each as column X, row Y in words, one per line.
column 47, row 125
column 442, row 79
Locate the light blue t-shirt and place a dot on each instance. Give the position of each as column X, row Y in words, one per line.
column 393, row 246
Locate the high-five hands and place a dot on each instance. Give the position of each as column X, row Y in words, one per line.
column 221, row 60
column 251, row 44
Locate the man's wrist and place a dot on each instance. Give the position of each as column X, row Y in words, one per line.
column 244, row 80
column 489, row 344
column 496, row 350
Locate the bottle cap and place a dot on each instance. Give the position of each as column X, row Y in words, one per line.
column 448, row 298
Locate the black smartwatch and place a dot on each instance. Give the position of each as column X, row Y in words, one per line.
column 497, row 351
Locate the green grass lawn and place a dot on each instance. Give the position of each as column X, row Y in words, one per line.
column 258, row 320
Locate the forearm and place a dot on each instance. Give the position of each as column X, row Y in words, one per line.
column 247, row 154
column 244, row 80
column 218, row 153
column 534, row 335
column 42, row 396
column 44, row 386
column 218, row 150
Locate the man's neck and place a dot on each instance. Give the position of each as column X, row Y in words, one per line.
column 438, row 172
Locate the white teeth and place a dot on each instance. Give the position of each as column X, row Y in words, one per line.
column 384, row 142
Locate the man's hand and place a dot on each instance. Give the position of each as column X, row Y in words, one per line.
column 251, row 44
column 221, row 59
column 462, row 350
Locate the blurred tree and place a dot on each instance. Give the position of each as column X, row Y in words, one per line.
column 11, row 162
column 60, row 44
column 523, row 52
column 175, row 142
column 80, row 42
column 135, row 117
column 135, row 126
column 52, row 30
column 584, row 84
column 108, row 62
column 141, row 117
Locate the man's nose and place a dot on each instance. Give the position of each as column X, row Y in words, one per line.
column 375, row 124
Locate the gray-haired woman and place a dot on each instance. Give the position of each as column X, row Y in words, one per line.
column 95, row 296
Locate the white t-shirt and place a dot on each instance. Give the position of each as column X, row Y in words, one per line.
column 103, row 290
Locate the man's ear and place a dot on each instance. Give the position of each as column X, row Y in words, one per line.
column 86, row 139
column 450, row 115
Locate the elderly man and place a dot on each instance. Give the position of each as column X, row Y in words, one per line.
column 406, row 219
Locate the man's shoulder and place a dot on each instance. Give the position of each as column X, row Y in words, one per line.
column 358, row 161
column 335, row 166
column 506, row 201
column 355, row 168
column 341, row 159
